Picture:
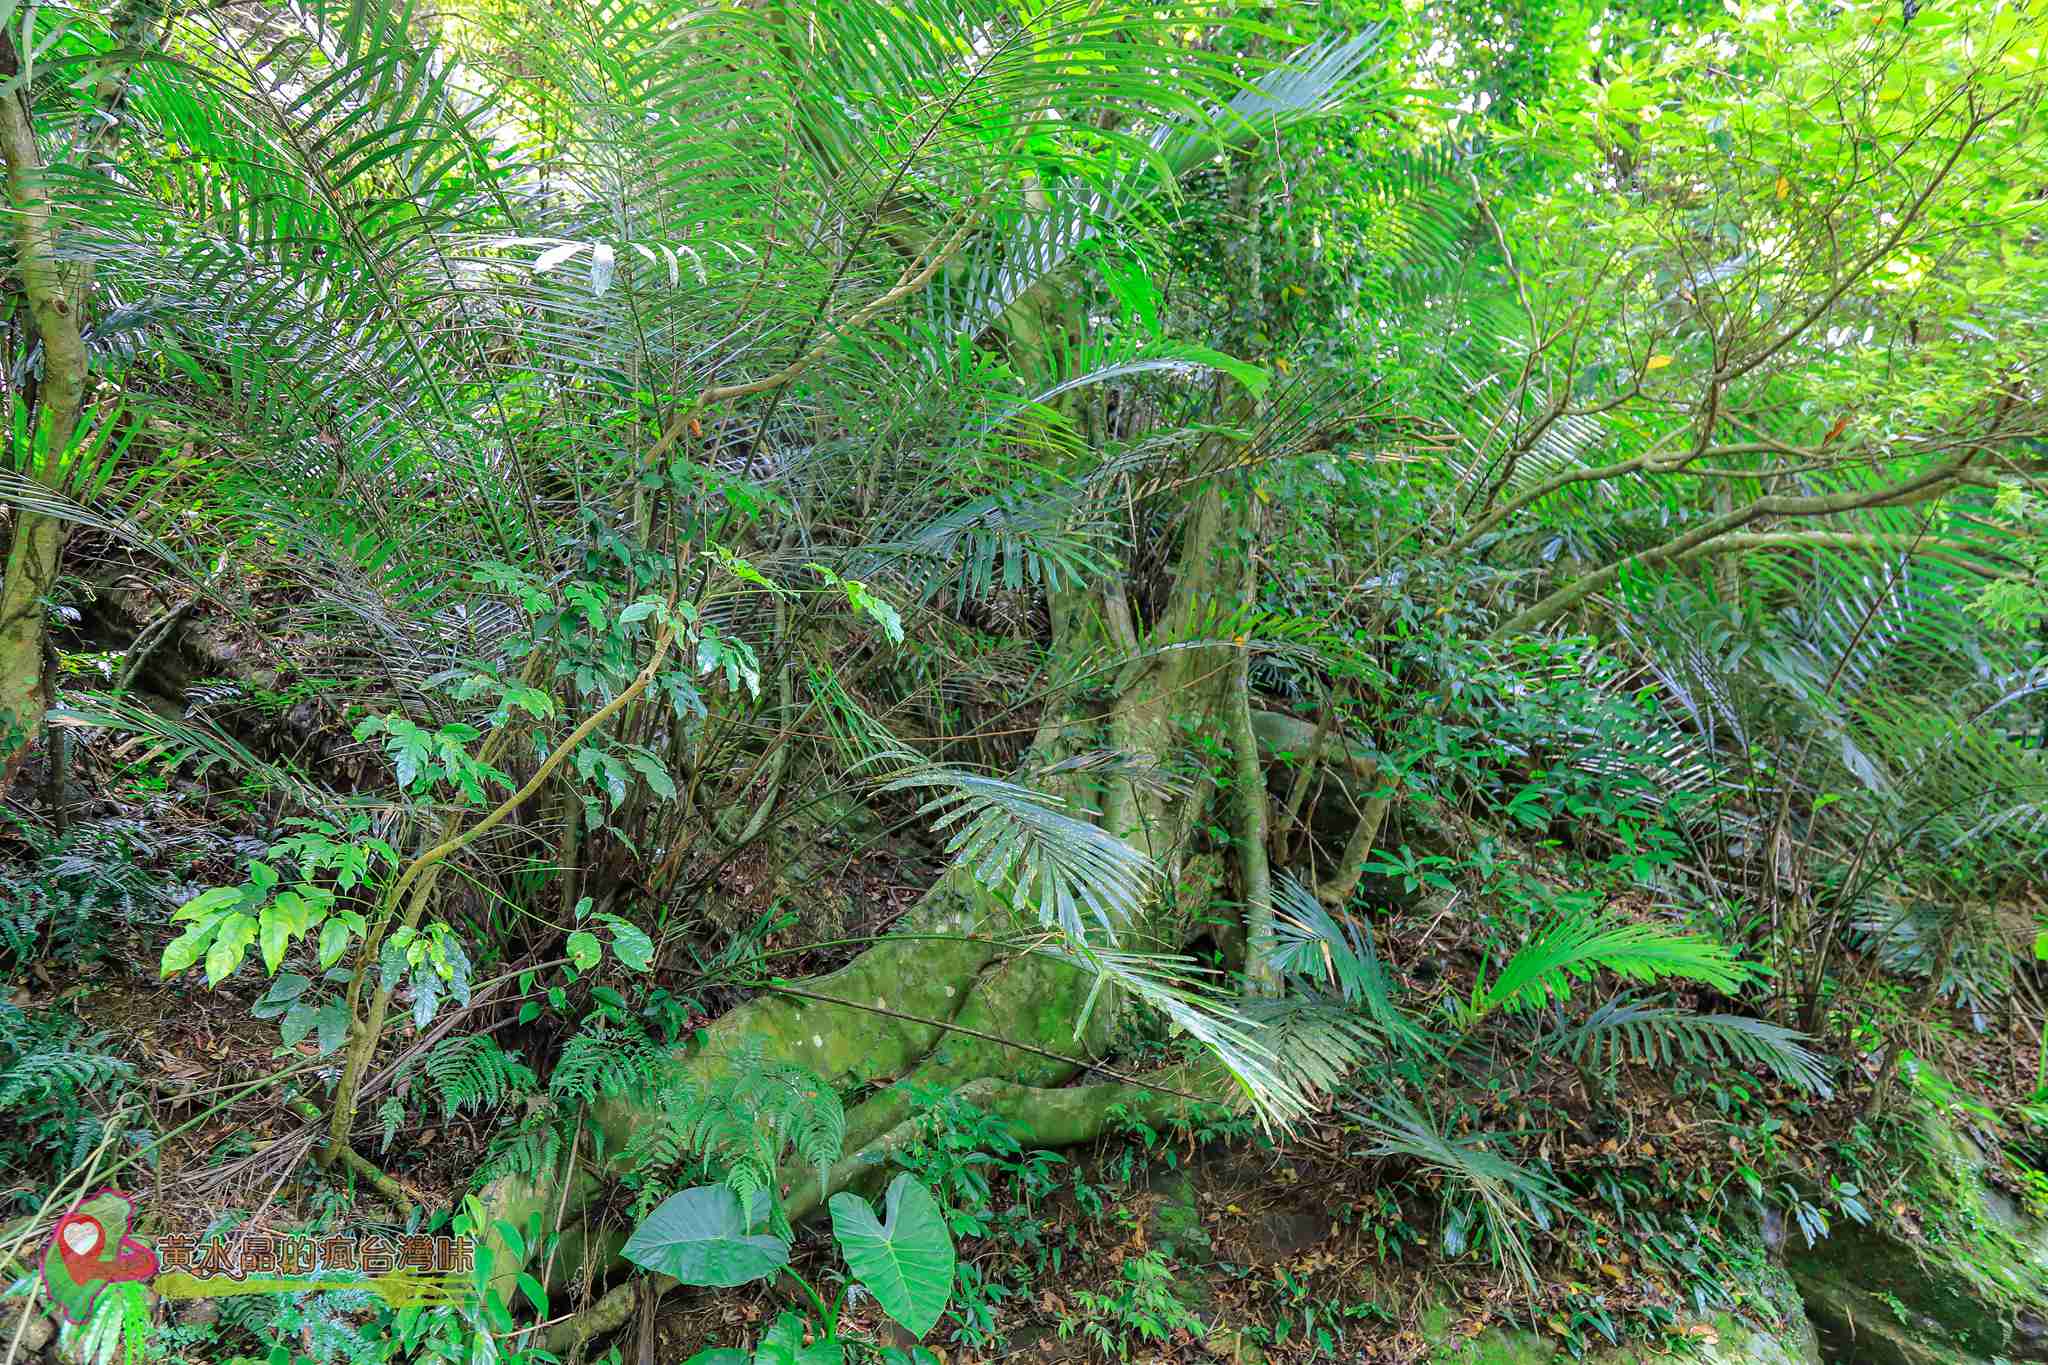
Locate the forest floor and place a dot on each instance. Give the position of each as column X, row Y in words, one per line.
column 1166, row 1246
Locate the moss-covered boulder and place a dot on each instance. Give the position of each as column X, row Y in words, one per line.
column 1722, row 1340
column 1777, row 1332
column 1969, row 1286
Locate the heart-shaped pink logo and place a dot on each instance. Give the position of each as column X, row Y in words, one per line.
column 82, row 1235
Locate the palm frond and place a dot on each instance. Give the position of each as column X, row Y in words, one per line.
column 1511, row 1198
column 155, row 737
column 1575, row 945
column 1310, row 943
column 1022, row 847
column 1626, row 1030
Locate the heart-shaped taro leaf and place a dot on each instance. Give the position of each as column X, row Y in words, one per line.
column 906, row 1261
column 700, row 1237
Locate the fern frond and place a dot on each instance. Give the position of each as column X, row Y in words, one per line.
column 740, row 1124
column 605, row 1060
column 533, row 1149
column 473, row 1072
column 59, row 1064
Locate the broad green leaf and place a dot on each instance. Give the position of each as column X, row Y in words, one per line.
column 289, row 915
column 184, row 950
column 298, row 1023
column 584, row 950
column 906, row 1258
column 650, row 767
column 631, row 943
column 426, row 997
column 784, row 1345
column 334, row 936
column 209, row 902
column 331, row 1026
column 237, row 931
column 700, row 1237
column 274, row 934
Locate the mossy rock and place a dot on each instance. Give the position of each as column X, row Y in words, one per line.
column 1731, row 1342
column 1973, row 1290
column 1719, row 1339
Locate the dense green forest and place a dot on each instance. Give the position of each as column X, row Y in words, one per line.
column 823, row 681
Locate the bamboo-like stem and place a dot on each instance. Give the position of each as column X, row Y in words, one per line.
column 365, row 1031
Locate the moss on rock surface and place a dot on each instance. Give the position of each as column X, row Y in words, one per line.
column 1778, row 1333
column 1731, row 1342
column 1972, row 1287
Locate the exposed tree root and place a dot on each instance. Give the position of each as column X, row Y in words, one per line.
column 934, row 1008
column 1055, row 1117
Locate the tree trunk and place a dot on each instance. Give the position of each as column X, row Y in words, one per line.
column 32, row 556
column 941, row 1003
column 54, row 303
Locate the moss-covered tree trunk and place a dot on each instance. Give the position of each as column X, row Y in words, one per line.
column 55, row 291
column 55, row 297
column 939, row 1003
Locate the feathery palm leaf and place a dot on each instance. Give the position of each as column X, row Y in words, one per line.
column 1576, row 944
column 1627, row 1030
